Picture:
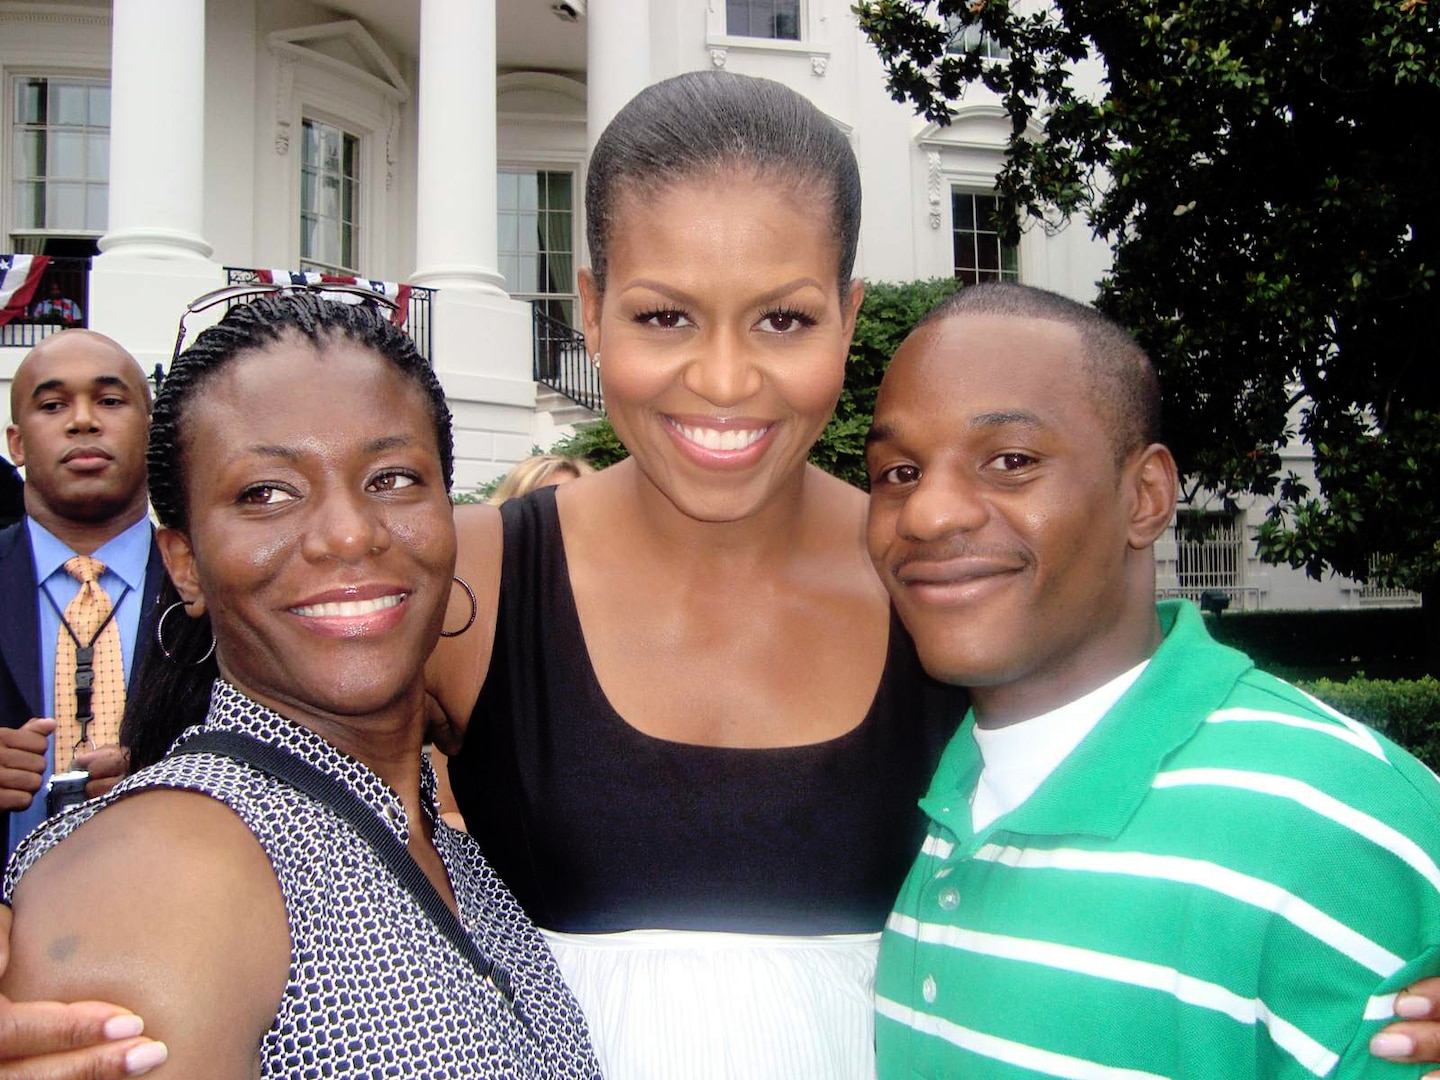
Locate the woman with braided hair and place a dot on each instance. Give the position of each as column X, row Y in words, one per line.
column 273, row 890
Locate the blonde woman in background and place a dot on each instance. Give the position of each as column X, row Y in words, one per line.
column 537, row 471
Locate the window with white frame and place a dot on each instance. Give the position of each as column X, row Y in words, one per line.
column 1209, row 550
column 59, row 161
column 969, row 39
column 329, row 198
column 980, row 254
column 775, row 19
column 537, row 238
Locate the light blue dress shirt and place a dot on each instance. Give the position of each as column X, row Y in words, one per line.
column 125, row 557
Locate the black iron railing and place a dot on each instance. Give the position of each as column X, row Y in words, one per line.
column 72, row 277
column 561, row 362
column 417, row 316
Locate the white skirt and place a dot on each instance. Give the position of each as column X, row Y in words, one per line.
column 692, row 1005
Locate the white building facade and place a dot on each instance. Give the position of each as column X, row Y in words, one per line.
column 158, row 149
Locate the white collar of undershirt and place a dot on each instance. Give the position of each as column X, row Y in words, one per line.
column 1018, row 758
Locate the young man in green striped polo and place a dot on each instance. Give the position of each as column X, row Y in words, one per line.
column 1146, row 858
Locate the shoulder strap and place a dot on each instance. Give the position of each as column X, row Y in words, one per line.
column 330, row 791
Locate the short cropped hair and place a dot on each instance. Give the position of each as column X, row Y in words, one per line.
column 1121, row 375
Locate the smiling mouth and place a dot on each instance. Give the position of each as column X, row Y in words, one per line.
column 349, row 609
column 717, row 439
column 959, row 576
column 86, row 455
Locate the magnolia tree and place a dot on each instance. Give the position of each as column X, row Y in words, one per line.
column 1265, row 173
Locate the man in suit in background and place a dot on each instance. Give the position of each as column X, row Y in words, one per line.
column 80, row 410
column 12, row 494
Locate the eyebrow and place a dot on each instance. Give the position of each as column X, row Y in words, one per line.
column 288, row 453
column 388, row 442
column 265, row 450
column 682, row 297
column 105, row 381
column 1005, row 418
column 998, row 418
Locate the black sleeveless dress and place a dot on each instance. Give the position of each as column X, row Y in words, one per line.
column 598, row 828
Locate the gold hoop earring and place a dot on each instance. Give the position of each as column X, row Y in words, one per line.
column 474, row 609
column 160, row 637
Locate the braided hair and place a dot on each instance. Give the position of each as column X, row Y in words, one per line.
column 173, row 694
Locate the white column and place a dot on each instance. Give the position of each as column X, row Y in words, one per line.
column 157, row 130
column 481, row 339
column 455, row 235
column 617, row 58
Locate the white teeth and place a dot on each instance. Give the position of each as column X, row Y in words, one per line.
column 726, row 439
column 348, row 608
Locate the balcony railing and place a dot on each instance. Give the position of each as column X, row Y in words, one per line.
column 561, row 362
column 73, row 278
column 1373, row 593
column 417, row 315
column 1241, row 597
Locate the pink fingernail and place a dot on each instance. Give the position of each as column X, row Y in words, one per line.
column 1412, row 1006
column 145, row 1057
column 1388, row 1044
column 126, row 1026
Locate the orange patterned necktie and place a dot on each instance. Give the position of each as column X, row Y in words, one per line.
column 88, row 632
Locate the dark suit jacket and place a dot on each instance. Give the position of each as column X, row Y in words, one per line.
column 12, row 494
column 21, row 696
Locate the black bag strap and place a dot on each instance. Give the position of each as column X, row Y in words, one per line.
column 330, row 791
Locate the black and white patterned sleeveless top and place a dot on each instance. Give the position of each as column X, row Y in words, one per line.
column 374, row 989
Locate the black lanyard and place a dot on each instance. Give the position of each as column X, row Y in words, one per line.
column 85, row 658
column 329, row 790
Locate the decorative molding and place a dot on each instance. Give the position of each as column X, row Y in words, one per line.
column 549, row 98
column 541, row 80
column 933, row 185
column 392, row 141
column 284, row 93
column 974, row 127
column 717, row 57
column 767, row 45
column 68, row 15
column 818, row 65
column 298, row 45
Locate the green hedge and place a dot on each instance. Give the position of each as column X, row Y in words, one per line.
column 1406, row 710
column 1386, row 643
column 888, row 313
column 595, row 441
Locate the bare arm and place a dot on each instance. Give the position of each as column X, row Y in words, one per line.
column 457, row 666
column 166, row 905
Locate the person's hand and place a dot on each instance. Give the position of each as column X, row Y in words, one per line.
column 106, row 766
column 89, row 1040
column 22, row 761
column 1416, row 1038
